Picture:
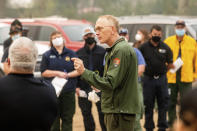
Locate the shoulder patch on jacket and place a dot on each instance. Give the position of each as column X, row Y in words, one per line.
column 116, row 62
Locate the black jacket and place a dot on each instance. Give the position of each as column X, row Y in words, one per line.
column 26, row 103
column 98, row 54
column 7, row 43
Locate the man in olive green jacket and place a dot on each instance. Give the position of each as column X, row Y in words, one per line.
column 120, row 100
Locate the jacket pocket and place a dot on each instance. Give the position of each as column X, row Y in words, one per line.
column 128, row 117
column 107, row 97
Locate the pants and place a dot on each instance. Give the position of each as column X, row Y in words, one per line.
column 86, row 107
column 155, row 89
column 119, row 122
column 137, row 126
column 66, row 108
column 182, row 88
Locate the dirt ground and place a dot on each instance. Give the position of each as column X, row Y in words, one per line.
column 78, row 119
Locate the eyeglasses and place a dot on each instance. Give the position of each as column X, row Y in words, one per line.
column 100, row 28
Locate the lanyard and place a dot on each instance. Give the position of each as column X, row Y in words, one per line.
column 108, row 57
column 179, row 54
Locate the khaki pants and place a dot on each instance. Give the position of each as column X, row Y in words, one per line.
column 119, row 122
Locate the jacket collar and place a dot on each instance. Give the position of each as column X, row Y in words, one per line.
column 153, row 45
column 56, row 53
column 117, row 41
column 184, row 37
column 21, row 75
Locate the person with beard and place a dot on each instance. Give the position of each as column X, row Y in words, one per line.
column 92, row 56
column 158, row 57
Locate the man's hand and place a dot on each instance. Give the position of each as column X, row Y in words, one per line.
column 6, row 68
column 77, row 91
column 78, row 65
column 170, row 66
column 96, row 90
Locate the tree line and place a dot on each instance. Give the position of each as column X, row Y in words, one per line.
column 91, row 9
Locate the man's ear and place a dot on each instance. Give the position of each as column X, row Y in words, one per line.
column 114, row 30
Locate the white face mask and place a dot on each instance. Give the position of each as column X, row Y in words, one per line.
column 58, row 41
column 14, row 37
column 138, row 37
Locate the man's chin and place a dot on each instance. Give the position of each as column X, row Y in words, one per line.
column 102, row 42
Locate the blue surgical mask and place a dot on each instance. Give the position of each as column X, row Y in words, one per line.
column 180, row 32
column 14, row 37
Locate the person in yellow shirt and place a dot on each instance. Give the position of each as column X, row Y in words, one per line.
column 183, row 47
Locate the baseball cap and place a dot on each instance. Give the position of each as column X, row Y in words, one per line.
column 123, row 31
column 88, row 30
column 180, row 22
column 16, row 22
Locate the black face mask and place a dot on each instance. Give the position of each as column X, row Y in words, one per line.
column 90, row 40
column 156, row 38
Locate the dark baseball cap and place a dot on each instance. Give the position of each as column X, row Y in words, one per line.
column 15, row 30
column 180, row 22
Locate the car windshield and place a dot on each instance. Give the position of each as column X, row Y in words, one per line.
column 4, row 33
column 75, row 32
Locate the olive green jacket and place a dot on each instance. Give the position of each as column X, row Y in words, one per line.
column 119, row 83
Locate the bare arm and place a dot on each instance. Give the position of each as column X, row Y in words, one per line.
column 6, row 68
column 61, row 74
column 141, row 69
column 73, row 74
column 54, row 73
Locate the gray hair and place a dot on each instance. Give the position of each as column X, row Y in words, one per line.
column 23, row 55
column 113, row 20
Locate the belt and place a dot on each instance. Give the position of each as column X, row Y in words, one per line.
column 155, row 76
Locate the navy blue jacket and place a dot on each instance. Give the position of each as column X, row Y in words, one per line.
column 98, row 54
column 51, row 60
